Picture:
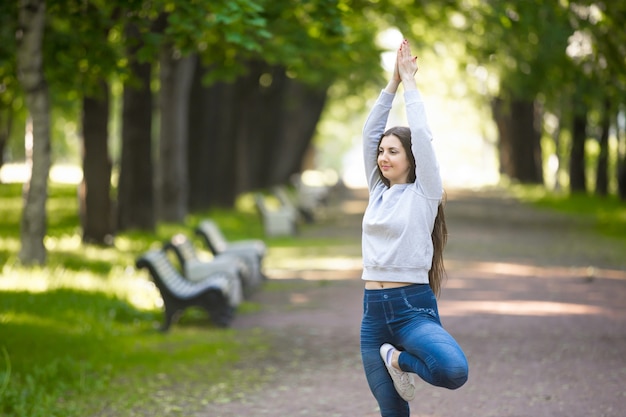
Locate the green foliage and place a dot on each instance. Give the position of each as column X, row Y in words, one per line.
column 607, row 214
column 12, row 108
column 77, row 42
column 8, row 28
column 322, row 41
column 318, row 42
column 521, row 43
column 223, row 33
column 549, row 50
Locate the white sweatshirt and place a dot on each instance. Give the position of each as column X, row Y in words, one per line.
column 398, row 221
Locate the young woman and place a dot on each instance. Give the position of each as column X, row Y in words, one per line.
column 404, row 234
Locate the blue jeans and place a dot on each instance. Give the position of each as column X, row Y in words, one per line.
column 408, row 318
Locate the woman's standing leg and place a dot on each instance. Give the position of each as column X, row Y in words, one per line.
column 375, row 332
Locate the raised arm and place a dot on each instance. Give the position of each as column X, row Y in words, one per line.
column 372, row 131
column 375, row 127
column 427, row 173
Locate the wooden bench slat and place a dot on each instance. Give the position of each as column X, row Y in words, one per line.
column 179, row 294
column 251, row 251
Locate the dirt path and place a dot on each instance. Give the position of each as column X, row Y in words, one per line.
column 538, row 305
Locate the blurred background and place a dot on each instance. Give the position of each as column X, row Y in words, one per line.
column 155, row 109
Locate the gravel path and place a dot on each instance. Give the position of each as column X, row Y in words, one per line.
column 536, row 301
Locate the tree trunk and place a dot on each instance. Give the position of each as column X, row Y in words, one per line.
column 621, row 179
column 277, row 123
column 172, row 174
column 602, row 180
column 301, row 113
column 95, row 190
column 527, row 142
column 577, row 175
column 135, row 191
column 6, row 123
column 248, row 135
column 211, row 155
column 258, row 132
column 519, row 140
column 556, row 163
column 32, row 14
column 502, row 116
column 621, row 161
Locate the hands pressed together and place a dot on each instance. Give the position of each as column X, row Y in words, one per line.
column 406, row 63
column 405, row 68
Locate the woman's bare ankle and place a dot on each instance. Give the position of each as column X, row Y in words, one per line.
column 394, row 359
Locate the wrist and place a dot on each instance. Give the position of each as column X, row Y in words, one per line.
column 409, row 84
column 392, row 85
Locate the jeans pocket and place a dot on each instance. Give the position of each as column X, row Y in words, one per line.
column 422, row 304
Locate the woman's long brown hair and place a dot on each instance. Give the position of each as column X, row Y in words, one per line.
column 439, row 235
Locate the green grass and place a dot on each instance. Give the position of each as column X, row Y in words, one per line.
column 606, row 214
column 79, row 336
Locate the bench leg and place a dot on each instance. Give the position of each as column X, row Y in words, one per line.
column 168, row 320
column 172, row 312
column 215, row 303
column 222, row 318
column 219, row 309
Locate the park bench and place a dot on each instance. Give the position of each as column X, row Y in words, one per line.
column 277, row 221
column 312, row 189
column 196, row 269
column 251, row 251
column 291, row 202
column 213, row 294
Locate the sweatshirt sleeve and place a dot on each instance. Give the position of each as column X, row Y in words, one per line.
column 372, row 131
column 428, row 178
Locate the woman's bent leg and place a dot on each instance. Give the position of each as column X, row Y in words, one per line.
column 433, row 354
column 429, row 350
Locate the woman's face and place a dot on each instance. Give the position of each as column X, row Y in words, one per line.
column 393, row 160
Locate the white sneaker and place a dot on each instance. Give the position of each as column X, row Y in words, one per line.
column 403, row 381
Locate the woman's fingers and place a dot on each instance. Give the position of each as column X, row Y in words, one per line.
column 406, row 48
